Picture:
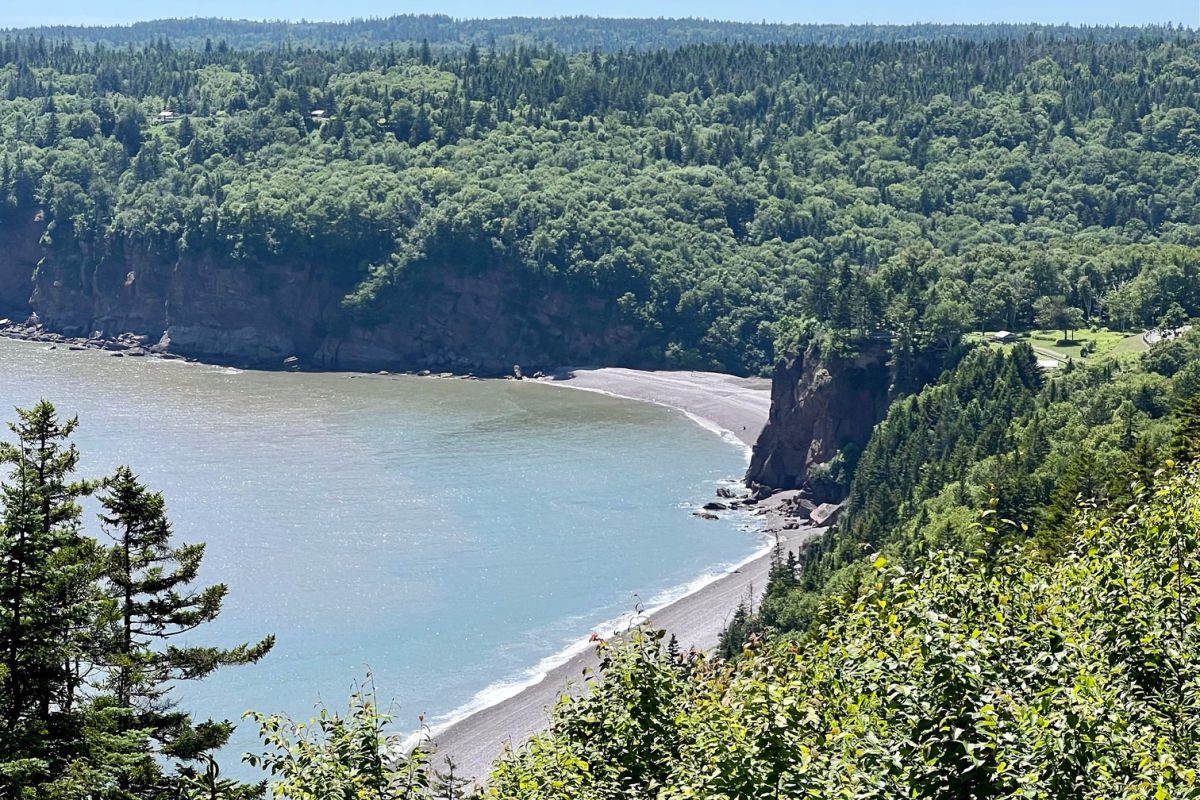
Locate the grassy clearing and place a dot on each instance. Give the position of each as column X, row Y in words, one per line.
column 1102, row 343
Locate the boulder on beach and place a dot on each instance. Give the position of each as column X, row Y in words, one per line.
column 826, row 514
column 761, row 492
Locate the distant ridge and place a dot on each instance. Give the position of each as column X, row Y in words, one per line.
column 568, row 33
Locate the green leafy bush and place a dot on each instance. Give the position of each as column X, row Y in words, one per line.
column 964, row 677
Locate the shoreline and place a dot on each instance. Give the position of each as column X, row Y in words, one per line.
column 507, row 712
column 474, row 738
column 732, row 407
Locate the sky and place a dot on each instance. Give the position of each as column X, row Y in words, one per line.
column 15, row 13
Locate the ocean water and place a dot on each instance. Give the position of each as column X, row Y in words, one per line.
column 446, row 537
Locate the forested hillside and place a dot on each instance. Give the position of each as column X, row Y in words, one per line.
column 956, row 677
column 684, row 207
column 1008, row 606
column 567, row 33
column 995, row 433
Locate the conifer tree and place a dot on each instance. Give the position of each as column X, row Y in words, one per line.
column 1187, row 430
column 149, row 596
column 45, row 567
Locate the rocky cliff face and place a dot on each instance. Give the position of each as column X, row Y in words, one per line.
column 20, row 252
column 820, row 404
column 445, row 318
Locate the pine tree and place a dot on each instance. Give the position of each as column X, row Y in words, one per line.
column 46, row 574
column 147, row 582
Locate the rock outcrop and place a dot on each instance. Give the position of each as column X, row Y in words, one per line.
column 442, row 317
column 820, row 404
column 20, row 251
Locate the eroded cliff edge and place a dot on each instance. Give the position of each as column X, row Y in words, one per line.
column 20, row 251
column 822, row 404
column 441, row 316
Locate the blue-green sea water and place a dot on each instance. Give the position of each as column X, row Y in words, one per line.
column 449, row 537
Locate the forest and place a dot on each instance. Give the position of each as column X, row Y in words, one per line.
column 998, row 434
column 718, row 197
column 1009, row 605
column 570, row 33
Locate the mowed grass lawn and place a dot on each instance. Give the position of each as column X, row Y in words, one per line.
column 1107, row 343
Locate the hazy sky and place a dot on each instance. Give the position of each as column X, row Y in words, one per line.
column 14, row 13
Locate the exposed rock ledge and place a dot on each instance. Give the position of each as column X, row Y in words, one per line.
column 437, row 316
column 820, row 404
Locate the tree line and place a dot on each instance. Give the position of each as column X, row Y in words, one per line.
column 572, row 33
column 716, row 195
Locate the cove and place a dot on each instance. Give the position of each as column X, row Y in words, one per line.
column 443, row 536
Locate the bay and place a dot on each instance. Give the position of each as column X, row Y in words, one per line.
column 444, row 537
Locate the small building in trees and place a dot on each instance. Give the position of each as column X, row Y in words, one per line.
column 1004, row 337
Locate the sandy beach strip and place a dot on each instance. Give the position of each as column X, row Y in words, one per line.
column 737, row 405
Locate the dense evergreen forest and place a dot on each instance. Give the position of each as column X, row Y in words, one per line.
column 995, row 433
column 567, row 33
column 715, row 197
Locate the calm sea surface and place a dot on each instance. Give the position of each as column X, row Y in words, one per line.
column 445, row 536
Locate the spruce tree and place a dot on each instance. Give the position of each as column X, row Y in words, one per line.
column 46, row 572
column 1186, row 446
column 1081, row 479
column 149, row 594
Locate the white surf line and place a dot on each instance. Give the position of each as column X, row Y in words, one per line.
column 498, row 692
